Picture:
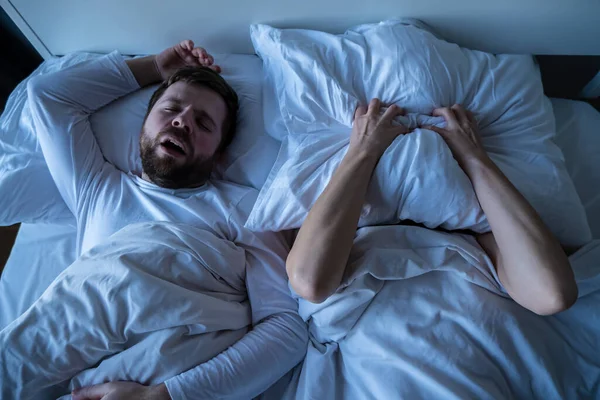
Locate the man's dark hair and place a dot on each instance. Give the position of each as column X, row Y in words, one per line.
column 210, row 79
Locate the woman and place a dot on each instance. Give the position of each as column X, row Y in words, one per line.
column 530, row 262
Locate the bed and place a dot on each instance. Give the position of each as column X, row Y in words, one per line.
column 350, row 354
column 46, row 249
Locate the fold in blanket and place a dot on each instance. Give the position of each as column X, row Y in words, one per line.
column 422, row 315
column 170, row 295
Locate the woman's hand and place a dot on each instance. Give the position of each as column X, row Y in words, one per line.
column 318, row 259
column 460, row 134
column 182, row 55
column 372, row 133
column 530, row 262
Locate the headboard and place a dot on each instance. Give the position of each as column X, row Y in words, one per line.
column 56, row 27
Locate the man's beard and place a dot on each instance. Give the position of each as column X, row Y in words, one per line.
column 166, row 172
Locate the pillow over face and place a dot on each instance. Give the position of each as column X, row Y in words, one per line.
column 318, row 79
column 24, row 173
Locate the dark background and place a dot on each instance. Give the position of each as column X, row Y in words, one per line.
column 17, row 57
column 17, row 60
column 563, row 76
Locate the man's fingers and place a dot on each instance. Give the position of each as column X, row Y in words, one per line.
column 215, row 68
column 374, row 107
column 187, row 44
column 200, row 52
column 95, row 392
column 392, row 112
column 360, row 111
column 205, row 62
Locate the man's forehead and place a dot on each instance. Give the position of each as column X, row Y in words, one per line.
column 191, row 93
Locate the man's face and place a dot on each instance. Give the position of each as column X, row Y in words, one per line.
column 181, row 135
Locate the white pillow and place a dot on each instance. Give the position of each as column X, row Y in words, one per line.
column 117, row 126
column 24, row 174
column 319, row 80
column 28, row 191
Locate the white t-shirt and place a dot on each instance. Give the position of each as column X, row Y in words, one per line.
column 105, row 199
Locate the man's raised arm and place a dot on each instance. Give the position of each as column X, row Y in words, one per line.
column 61, row 104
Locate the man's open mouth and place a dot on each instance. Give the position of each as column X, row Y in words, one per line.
column 173, row 146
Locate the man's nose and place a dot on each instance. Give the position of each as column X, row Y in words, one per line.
column 182, row 121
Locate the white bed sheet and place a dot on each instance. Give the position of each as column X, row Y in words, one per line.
column 42, row 251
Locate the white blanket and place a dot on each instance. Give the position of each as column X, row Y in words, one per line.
column 423, row 316
column 155, row 300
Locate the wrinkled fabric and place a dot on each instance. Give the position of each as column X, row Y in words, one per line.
column 315, row 80
column 422, row 315
column 153, row 301
column 105, row 200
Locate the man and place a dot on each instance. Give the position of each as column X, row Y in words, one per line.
column 531, row 265
column 190, row 121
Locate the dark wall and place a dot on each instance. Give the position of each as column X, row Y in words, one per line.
column 565, row 76
column 18, row 58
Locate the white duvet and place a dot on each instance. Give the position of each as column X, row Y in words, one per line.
column 153, row 301
column 422, row 316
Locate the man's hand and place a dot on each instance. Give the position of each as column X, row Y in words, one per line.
column 460, row 134
column 182, row 55
column 156, row 68
column 372, row 134
column 122, row 391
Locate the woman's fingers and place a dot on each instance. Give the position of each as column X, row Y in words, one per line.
column 460, row 112
column 392, row 112
column 471, row 117
column 360, row 111
column 448, row 115
column 374, row 107
column 461, row 115
column 440, row 131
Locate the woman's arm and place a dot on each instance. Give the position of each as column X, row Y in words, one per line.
column 317, row 261
column 529, row 260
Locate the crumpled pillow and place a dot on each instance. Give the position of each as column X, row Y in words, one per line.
column 317, row 79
